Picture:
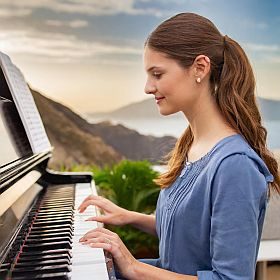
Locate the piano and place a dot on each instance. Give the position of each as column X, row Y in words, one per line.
column 39, row 224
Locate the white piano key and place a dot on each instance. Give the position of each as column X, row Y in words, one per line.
column 90, row 271
column 87, row 262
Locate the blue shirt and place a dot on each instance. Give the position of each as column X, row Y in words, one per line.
column 209, row 222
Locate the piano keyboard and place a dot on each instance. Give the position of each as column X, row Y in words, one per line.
column 48, row 247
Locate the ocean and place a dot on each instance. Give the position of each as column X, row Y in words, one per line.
column 156, row 127
column 176, row 126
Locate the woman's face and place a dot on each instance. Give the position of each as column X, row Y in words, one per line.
column 172, row 85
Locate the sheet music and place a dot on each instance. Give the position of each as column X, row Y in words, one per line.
column 25, row 105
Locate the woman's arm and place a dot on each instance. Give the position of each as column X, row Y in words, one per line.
column 146, row 223
column 149, row 272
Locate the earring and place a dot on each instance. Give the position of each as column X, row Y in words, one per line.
column 198, row 80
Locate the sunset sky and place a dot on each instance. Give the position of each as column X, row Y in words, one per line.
column 87, row 54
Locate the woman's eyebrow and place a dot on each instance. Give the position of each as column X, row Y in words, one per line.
column 153, row 68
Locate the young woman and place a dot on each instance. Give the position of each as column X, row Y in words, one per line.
column 211, row 208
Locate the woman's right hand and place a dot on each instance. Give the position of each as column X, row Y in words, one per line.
column 112, row 214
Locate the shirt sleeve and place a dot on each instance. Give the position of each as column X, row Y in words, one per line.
column 238, row 200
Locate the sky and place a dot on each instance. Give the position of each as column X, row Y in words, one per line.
column 87, row 54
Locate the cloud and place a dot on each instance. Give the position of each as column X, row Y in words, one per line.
column 253, row 24
column 89, row 7
column 261, row 47
column 267, row 53
column 59, row 47
column 9, row 12
column 275, row 59
column 72, row 24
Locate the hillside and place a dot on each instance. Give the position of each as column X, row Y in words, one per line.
column 132, row 144
column 77, row 141
column 71, row 144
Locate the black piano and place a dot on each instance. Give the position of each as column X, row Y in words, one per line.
column 39, row 224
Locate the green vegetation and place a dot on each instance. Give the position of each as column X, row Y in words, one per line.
column 130, row 185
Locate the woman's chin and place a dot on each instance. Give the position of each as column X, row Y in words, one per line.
column 166, row 113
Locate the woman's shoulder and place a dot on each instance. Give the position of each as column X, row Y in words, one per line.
column 234, row 154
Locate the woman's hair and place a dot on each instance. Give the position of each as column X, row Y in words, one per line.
column 185, row 36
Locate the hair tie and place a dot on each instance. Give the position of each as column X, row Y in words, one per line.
column 225, row 39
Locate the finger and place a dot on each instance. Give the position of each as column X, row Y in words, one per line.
column 99, row 203
column 90, row 197
column 106, row 231
column 99, row 232
column 99, row 239
column 105, row 246
column 101, row 219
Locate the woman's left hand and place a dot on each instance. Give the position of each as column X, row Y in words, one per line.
column 110, row 241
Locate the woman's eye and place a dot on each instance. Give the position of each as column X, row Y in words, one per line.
column 157, row 75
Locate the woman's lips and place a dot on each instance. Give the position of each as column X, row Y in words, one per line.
column 158, row 99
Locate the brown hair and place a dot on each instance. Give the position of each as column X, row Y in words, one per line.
column 185, row 36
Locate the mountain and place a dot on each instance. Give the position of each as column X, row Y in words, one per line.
column 132, row 144
column 143, row 109
column 72, row 145
column 269, row 108
column 76, row 141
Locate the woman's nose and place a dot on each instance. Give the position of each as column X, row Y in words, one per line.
column 150, row 89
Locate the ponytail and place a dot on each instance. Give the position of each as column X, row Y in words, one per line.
column 237, row 102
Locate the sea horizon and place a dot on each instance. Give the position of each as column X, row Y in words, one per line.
column 175, row 127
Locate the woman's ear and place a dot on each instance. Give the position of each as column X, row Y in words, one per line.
column 201, row 66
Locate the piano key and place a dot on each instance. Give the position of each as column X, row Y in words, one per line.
column 51, row 234
column 46, row 276
column 46, row 240
column 87, row 262
column 89, row 271
column 47, row 252
column 58, row 256
column 38, row 263
column 47, row 246
column 30, row 271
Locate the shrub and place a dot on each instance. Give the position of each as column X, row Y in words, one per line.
column 130, row 185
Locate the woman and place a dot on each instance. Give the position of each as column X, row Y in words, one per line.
column 211, row 208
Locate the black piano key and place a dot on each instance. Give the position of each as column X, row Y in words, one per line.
column 49, row 228
column 50, row 234
column 58, row 215
column 51, row 212
column 56, row 207
column 47, row 246
column 57, row 199
column 62, row 231
column 47, row 240
column 4, row 273
column 37, row 263
column 43, row 257
column 46, row 252
column 46, row 276
column 31, row 271
column 52, row 222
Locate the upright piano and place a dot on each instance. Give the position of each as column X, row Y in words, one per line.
column 39, row 224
